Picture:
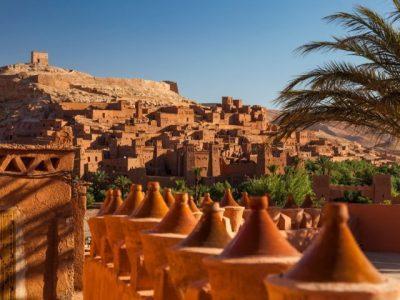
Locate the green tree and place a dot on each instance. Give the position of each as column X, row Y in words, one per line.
column 180, row 186
column 364, row 94
column 324, row 164
column 123, row 183
column 217, row 190
column 99, row 182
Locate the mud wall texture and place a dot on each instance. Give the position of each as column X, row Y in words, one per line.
column 36, row 186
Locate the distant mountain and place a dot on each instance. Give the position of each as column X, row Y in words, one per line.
column 347, row 133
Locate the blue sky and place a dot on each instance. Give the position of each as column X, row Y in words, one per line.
column 210, row 47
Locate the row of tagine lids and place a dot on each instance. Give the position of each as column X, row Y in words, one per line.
column 333, row 263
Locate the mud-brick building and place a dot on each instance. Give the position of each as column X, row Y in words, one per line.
column 41, row 222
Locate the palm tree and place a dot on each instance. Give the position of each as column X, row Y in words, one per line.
column 325, row 164
column 364, row 95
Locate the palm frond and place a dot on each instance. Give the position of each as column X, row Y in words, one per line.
column 365, row 95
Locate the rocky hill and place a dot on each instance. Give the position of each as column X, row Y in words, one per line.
column 26, row 89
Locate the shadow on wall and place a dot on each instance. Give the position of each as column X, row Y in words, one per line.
column 44, row 229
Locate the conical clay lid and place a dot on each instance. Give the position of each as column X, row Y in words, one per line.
column 228, row 199
column 245, row 200
column 334, row 255
column 132, row 201
column 206, row 200
column 106, row 202
column 118, row 201
column 179, row 218
column 153, row 205
column 168, row 197
column 307, row 203
column 114, row 203
column 192, row 205
column 210, row 230
column 258, row 236
column 290, row 202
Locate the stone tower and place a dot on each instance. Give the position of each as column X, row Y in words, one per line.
column 39, row 58
column 189, row 163
column 214, row 168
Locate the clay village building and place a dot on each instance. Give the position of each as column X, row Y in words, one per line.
column 146, row 140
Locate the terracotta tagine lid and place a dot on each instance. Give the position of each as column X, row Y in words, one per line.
column 258, row 236
column 334, row 255
column 307, row 203
column 179, row 218
column 132, row 201
column 290, row 202
column 118, row 201
column 106, row 202
column 210, row 231
column 153, row 205
column 245, row 200
column 206, row 200
column 228, row 199
column 168, row 197
column 192, row 205
column 114, row 203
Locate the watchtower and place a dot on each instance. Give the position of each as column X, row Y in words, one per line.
column 39, row 58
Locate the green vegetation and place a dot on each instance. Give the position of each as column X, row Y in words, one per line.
column 354, row 197
column 353, row 172
column 296, row 181
column 100, row 183
column 123, row 183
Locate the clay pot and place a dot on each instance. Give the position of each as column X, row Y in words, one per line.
column 192, row 205
column 256, row 251
column 98, row 226
column 149, row 213
column 208, row 238
column 206, row 200
column 333, row 267
column 115, row 237
column 106, row 202
column 307, row 203
column 114, row 203
column 173, row 228
column 235, row 216
column 132, row 201
column 245, row 200
column 153, row 206
column 228, row 199
column 168, row 197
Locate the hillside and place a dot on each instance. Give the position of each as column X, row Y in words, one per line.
column 346, row 133
column 29, row 88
